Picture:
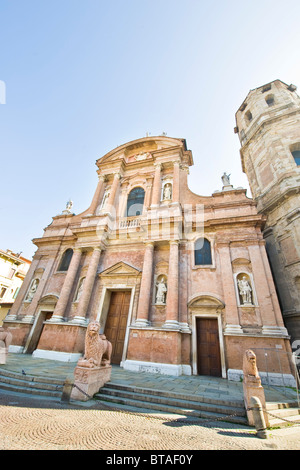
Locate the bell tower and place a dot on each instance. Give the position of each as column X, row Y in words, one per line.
column 268, row 126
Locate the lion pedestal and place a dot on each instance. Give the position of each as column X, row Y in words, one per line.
column 252, row 386
column 89, row 381
column 94, row 369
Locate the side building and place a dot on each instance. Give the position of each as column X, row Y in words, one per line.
column 13, row 269
column 179, row 282
column 268, row 126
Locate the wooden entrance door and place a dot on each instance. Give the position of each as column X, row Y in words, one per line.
column 115, row 327
column 208, row 347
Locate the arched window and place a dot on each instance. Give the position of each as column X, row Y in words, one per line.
column 202, row 252
column 135, row 202
column 66, row 260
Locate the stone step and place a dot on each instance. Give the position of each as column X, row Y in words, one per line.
column 148, row 400
column 284, row 416
column 15, row 382
column 231, row 401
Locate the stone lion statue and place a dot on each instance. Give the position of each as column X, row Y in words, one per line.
column 249, row 367
column 97, row 348
column 5, row 338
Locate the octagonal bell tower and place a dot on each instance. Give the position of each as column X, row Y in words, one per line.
column 268, row 126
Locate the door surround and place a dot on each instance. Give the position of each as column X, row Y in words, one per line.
column 206, row 306
column 104, row 308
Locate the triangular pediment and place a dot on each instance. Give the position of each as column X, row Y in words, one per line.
column 121, row 269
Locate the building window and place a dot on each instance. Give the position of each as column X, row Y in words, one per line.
column 66, row 260
column 135, row 202
column 11, row 273
column 16, row 292
column 202, row 252
column 2, row 291
column 296, row 155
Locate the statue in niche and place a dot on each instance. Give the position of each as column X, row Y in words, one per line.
column 32, row 290
column 104, row 200
column 161, row 292
column 245, row 290
column 167, row 195
column 225, row 179
column 80, row 289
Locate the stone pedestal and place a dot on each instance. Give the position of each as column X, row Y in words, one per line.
column 253, row 388
column 88, row 381
column 3, row 354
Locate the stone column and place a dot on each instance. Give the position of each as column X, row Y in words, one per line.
column 232, row 317
column 172, row 293
column 175, row 195
column 111, row 199
column 87, row 287
column 145, row 290
column 156, row 185
column 96, row 199
column 62, row 302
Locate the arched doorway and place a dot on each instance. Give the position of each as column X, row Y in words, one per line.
column 45, row 312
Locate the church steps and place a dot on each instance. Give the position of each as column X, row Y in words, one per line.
column 283, row 414
column 171, row 403
column 29, row 384
column 208, row 398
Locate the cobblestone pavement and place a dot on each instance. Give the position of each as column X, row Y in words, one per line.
column 36, row 423
column 43, row 424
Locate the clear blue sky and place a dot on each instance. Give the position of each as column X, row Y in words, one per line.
column 84, row 76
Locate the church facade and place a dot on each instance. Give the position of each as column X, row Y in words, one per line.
column 180, row 283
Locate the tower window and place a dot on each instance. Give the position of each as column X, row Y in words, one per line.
column 66, row 260
column 202, row 252
column 266, row 88
column 270, row 100
column 296, row 155
column 135, row 202
column 248, row 116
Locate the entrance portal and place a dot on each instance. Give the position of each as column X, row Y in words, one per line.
column 115, row 327
column 208, row 347
column 36, row 331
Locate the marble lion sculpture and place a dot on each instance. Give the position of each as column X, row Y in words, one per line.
column 249, row 367
column 97, row 348
column 5, row 338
